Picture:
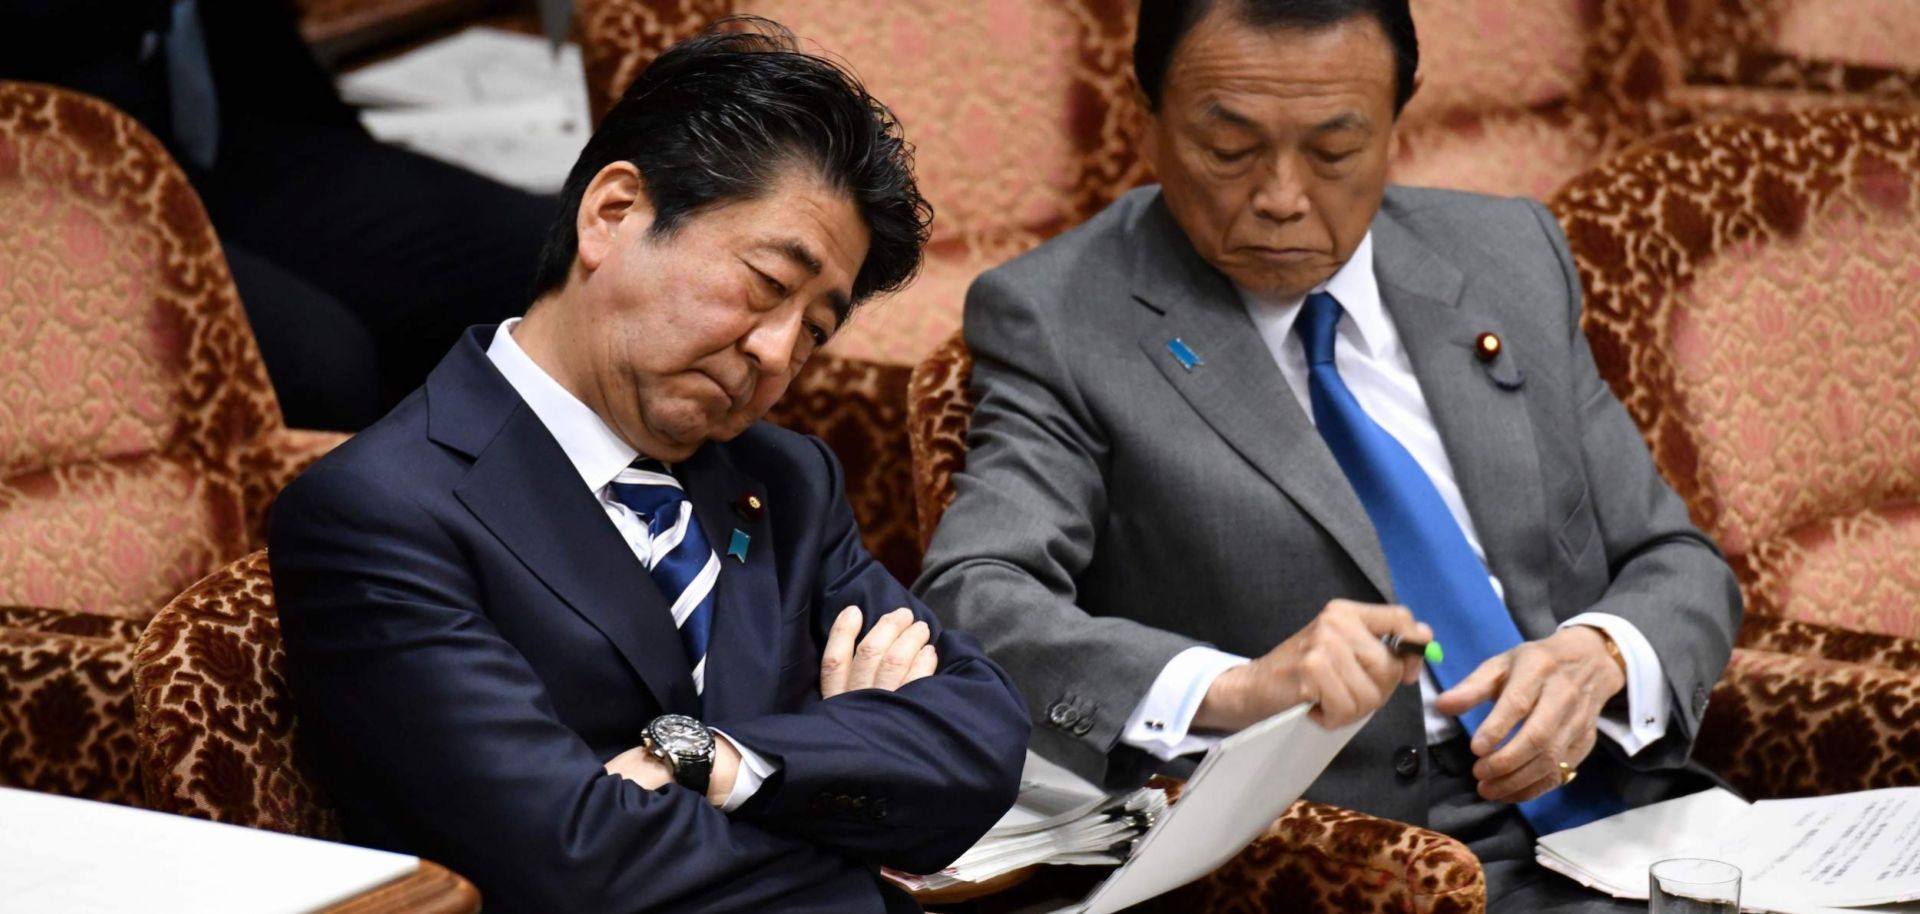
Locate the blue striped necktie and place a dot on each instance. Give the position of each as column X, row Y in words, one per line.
column 677, row 554
column 1435, row 571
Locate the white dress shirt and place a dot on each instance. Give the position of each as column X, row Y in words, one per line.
column 598, row 454
column 1368, row 354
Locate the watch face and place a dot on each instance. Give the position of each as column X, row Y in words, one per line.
column 680, row 734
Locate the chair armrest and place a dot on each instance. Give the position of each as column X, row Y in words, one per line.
column 1779, row 635
column 270, row 462
column 1320, row 859
column 1781, row 725
column 66, row 710
column 51, row 621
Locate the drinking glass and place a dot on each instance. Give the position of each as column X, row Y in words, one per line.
column 1690, row 885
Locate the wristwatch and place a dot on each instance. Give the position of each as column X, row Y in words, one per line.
column 686, row 745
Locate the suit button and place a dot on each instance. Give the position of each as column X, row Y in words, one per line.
column 1083, row 728
column 842, row 803
column 879, row 809
column 1406, row 761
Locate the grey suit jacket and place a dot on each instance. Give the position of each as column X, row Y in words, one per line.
column 1117, row 507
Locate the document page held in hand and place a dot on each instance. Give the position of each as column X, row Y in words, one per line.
column 1239, row 789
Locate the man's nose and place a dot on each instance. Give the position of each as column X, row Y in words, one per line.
column 773, row 339
column 1282, row 194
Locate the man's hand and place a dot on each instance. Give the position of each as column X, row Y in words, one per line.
column 644, row 768
column 1336, row 662
column 895, row 652
column 1557, row 686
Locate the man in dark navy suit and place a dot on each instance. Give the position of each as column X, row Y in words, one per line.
column 569, row 621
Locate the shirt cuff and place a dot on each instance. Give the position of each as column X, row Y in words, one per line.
column 1160, row 723
column 1645, row 720
column 753, row 772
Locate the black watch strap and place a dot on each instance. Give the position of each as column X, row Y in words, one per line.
column 694, row 773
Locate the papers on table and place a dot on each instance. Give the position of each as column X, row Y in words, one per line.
column 1807, row 856
column 498, row 103
column 65, row 856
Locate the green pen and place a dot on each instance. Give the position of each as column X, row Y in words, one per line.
column 1430, row 650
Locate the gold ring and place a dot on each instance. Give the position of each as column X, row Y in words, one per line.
column 1567, row 774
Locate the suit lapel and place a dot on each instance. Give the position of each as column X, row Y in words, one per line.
column 526, row 493
column 743, row 655
column 1238, row 389
column 1485, row 428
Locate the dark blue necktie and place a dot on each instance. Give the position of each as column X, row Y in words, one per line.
column 1435, row 572
column 681, row 562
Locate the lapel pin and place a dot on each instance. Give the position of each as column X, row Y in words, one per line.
column 737, row 547
column 749, row 507
column 1181, row 351
column 1487, row 346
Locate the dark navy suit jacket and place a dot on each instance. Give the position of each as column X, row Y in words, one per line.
column 469, row 639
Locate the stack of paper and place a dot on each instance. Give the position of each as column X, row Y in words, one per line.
column 1847, row 853
column 1236, row 793
column 505, row 105
column 1058, row 819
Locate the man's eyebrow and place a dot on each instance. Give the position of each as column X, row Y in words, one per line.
column 1217, row 112
column 793, row 249
column 1351, row 120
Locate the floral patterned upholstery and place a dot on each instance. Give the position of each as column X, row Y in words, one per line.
column 1515, row 98
column 140, row 442
column 216, row 729
column 1753, row 296
column 1790, row 54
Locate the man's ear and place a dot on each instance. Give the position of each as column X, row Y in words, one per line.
column 615, row 205
column 1142, row 123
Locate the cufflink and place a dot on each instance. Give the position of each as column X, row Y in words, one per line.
column 1156, row 725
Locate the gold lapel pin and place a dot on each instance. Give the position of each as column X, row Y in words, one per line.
column 1487, row 346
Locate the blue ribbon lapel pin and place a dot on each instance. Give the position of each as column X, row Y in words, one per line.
column 1184, row 354
column 737, row 547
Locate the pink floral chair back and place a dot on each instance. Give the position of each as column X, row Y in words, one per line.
column 1753, row 296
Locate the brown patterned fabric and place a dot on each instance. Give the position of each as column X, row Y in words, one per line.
column 939, row 413
column 1319, row 859
column 1515, row 98
column 860, row 410
column 140, row 442
column 1776, row 635
column 216, row 729
column 1796, row 51
column 1787, row 726
column 66, row 705
column 1753, row 297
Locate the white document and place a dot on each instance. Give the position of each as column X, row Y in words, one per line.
column 497, row 103
column 59, row 855
column 477, row 66
column 1800, row 856
column 1242, row 785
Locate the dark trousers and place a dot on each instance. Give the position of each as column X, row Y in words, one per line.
column 1501, row 838
column 360, row 263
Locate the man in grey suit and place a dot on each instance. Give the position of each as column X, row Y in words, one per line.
column 1227, row 422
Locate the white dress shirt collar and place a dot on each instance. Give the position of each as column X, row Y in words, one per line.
column 596, row 452
column 1353, row 286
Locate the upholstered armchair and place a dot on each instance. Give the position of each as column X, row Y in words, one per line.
column 140, row 442
column 215, row 723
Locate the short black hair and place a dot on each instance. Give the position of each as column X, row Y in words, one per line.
column 719, row 117
column 1163, row 23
